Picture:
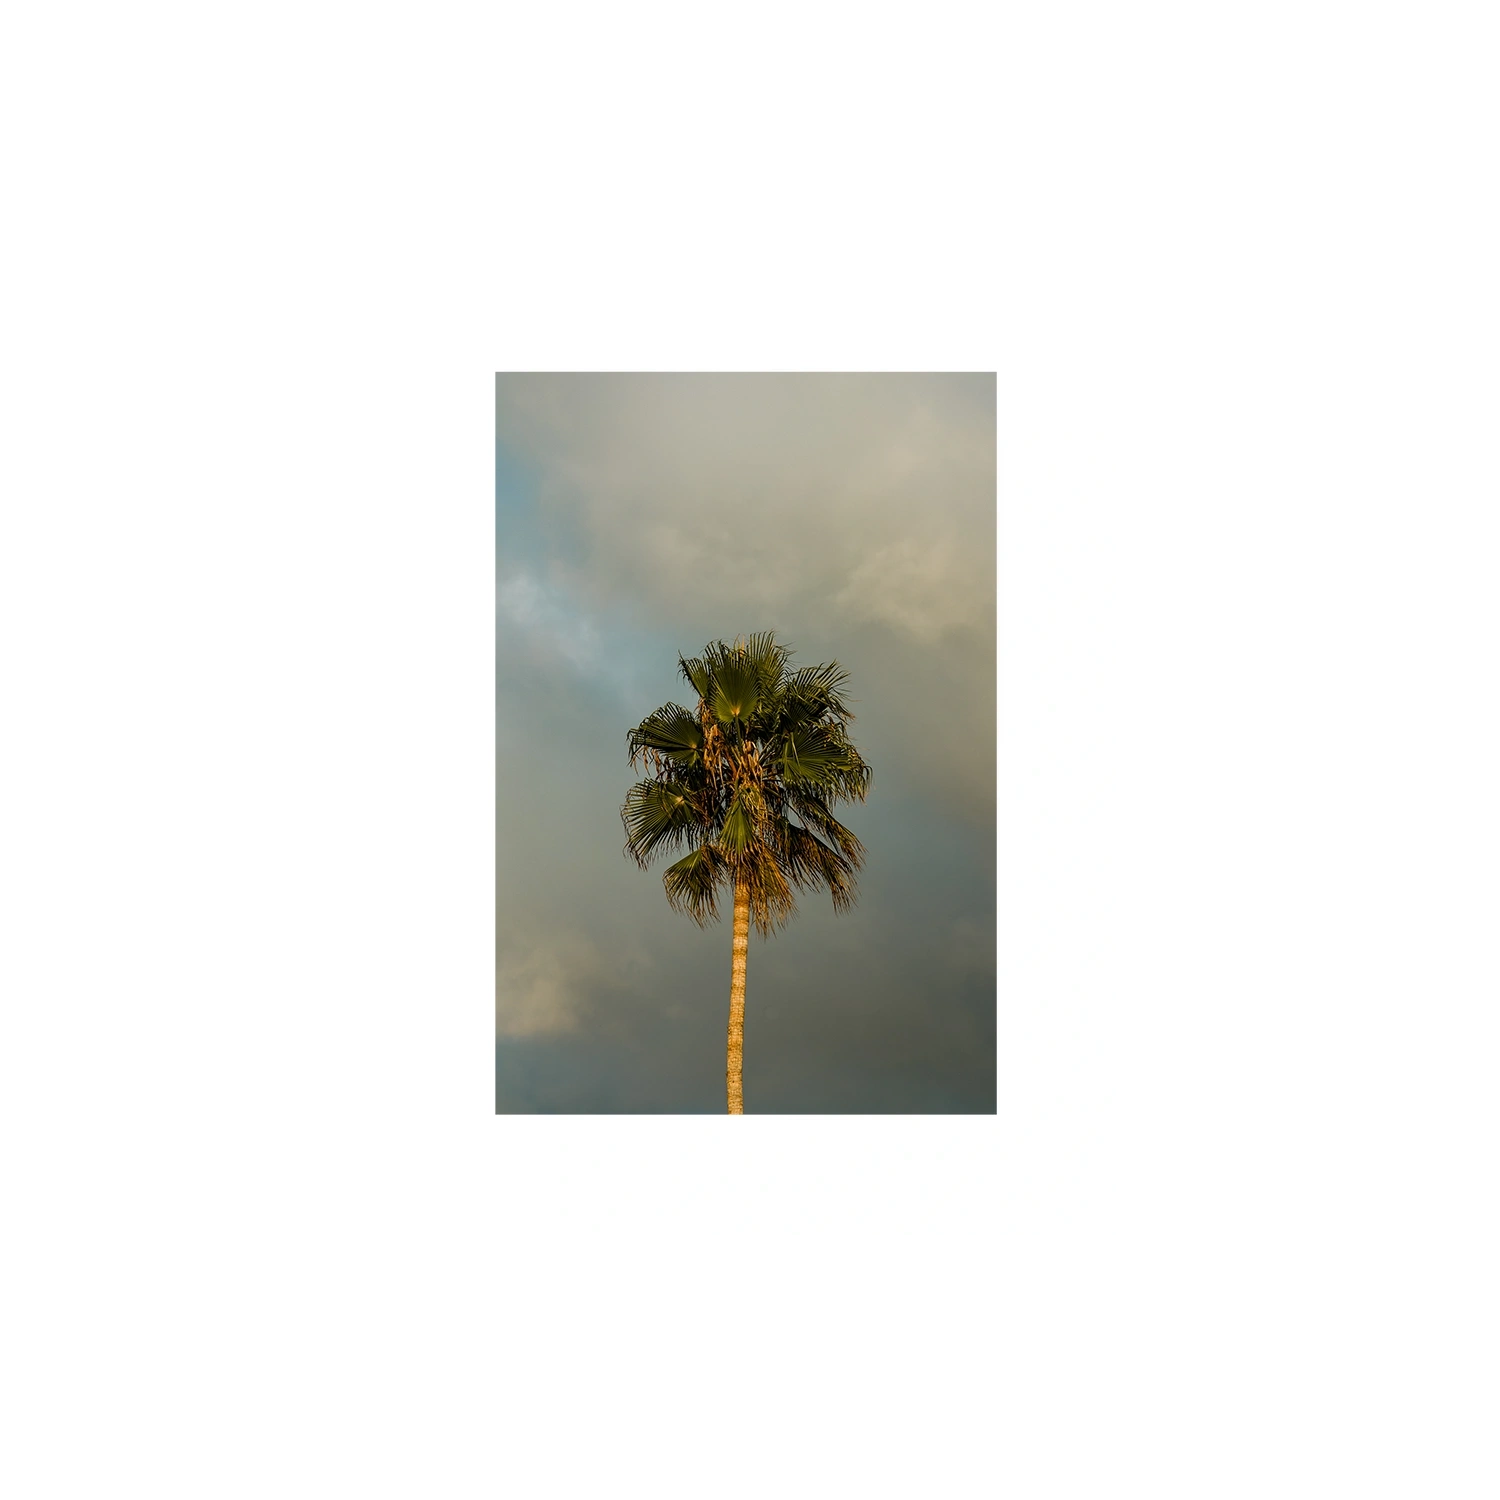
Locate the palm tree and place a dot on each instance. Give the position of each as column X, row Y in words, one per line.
column 746, row 782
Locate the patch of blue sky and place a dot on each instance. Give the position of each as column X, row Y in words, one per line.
column 607, row 645
column 519, row 533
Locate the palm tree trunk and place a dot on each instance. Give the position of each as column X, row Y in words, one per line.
column 732, row 1072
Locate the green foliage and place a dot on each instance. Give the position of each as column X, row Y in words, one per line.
column 693, row 882
column 658, row 816
column 671, row 731
column 736, row 692
column 748, row 780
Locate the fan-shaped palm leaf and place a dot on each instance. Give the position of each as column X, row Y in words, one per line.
column 736, row 691
column 657, row 816
column 693, row 883
column 672, row 731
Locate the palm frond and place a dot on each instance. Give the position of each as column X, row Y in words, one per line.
column 812, row 865
column 657, row 815
column 766, row 658
column 693, row 883
column 815, row 814
column 671, row 731
column 696, row 670
column 738, row 828
column 828, row 677
column 811, row 753
column 850, row 780
column 812, row 696
column 735, row 691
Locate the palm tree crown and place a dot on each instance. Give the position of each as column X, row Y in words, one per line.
column 745, row 782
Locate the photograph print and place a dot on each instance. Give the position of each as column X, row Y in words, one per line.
column 745, row 729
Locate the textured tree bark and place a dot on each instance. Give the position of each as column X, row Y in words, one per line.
column 733, row 1070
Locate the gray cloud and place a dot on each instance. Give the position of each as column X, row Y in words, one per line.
column 769, row 492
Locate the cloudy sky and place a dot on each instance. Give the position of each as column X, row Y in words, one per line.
column 639, row 516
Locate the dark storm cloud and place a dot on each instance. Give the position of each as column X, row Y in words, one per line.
column 643, row 515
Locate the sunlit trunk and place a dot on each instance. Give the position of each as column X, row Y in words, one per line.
column 732, row 1072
